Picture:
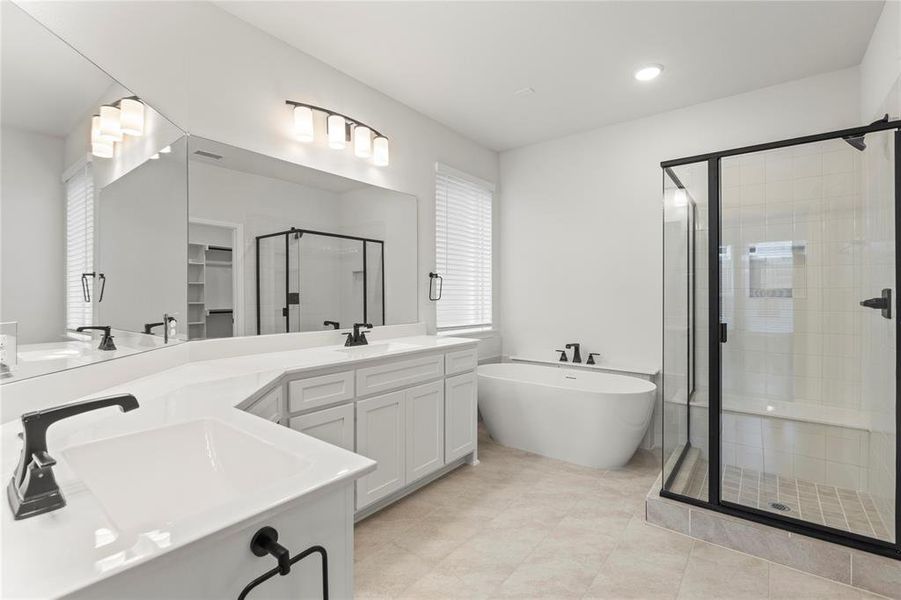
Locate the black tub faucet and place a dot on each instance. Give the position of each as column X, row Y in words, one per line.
column 106, row 343
column 577, row 356
column 32, row 489
column 358, row 338
column 332, row 324
column 591, row 358
column 562, row 355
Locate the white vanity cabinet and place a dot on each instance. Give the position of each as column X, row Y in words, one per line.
column 414, row 415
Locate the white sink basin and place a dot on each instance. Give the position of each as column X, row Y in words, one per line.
column 376, row 349
column 150, row 479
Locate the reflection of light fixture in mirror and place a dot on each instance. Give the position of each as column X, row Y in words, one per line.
column 362, row 141
column 303, row 123
column 367, row 141
column 154, row 156
column 380, row 151
column 337, row 132
column 166, row 150
column 132, row 116
column 110, row 125
column 100, row 147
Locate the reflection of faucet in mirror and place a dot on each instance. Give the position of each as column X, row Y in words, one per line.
column 167, row 321
column 32, row 489
column 332, row 324
column 106, row 343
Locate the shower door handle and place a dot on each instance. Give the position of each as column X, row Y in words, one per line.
column 882, row 303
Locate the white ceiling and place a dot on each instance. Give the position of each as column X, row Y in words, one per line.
column 461, row 62
column 45, row 86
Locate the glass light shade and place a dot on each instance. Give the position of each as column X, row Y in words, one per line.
column 380, row 151
column 336, row 132
column 110, row 124
column 132, row 116
column 95, row 128
column 303, row 123
column 362, row 141
column 102, row 149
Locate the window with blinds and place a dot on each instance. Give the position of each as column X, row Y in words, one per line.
column 79, row 245
column 463, row 249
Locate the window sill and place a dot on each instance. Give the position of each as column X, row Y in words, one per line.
column 475, row 332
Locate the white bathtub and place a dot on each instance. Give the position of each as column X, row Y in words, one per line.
column 588, row 418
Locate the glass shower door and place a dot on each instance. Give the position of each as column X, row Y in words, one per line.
column 808, row 349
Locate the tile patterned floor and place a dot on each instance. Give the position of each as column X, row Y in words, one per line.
column 848, row 510
column 524, row 526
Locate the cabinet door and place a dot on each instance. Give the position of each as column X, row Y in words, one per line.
column 424, row 429
column 460, row 415
column 380, row 436
column 269, row 406
column 332, row 425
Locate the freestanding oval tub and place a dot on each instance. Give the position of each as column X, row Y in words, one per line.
column 583, row 417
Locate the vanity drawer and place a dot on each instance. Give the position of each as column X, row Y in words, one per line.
column 269, row 406
column 304, row 394
column 402, row 373
column 461, row 361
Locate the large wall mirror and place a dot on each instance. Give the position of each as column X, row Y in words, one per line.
column 276, row 247
column 93, row 208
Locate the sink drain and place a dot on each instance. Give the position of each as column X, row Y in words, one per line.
column 780, row 507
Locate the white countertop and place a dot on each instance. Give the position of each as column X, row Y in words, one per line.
column 65, row 550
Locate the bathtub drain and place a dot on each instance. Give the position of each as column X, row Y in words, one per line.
column 780, row 507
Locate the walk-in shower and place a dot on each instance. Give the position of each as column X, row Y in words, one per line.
column 780, row 363
column 305, row 279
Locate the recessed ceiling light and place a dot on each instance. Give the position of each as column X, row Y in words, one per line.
column 648, row 73
column 526, row 91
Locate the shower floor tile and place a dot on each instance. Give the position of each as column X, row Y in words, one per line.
column 848, row 510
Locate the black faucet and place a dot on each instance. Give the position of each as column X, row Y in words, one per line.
column 591, row 358
column 332, row 324
column 358, row 338
column 562, row 355
column 577, row 356
column 106, row 343
column 32, row 489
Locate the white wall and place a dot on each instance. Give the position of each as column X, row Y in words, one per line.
column 33, row 217
column 222, row 79
column 880, row 70
column 580, row 216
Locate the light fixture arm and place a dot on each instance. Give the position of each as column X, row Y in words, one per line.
column 350, row 120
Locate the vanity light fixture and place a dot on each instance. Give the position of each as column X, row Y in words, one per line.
column 337, row 132
column 110, row 123
column 303, row 123
column 648, row 72
column 341, row 129
column 132, row 116
column 100, row 147
column 114, row 121
column 362, row 141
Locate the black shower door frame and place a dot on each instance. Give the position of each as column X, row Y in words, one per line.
column 716, row 338
column 301, row 232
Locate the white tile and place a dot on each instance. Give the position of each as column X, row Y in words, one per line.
column 841, row 475
column 843, row 451
column 810, row 469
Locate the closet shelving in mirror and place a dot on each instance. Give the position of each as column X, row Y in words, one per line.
column 341, row 130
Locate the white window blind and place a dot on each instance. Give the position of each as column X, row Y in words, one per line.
column 463, row 250
column 79, row 245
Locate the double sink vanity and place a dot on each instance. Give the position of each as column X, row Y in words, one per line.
column 224, row 282
column 164, row 500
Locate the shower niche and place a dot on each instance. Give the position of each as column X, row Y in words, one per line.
column 780, row 368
